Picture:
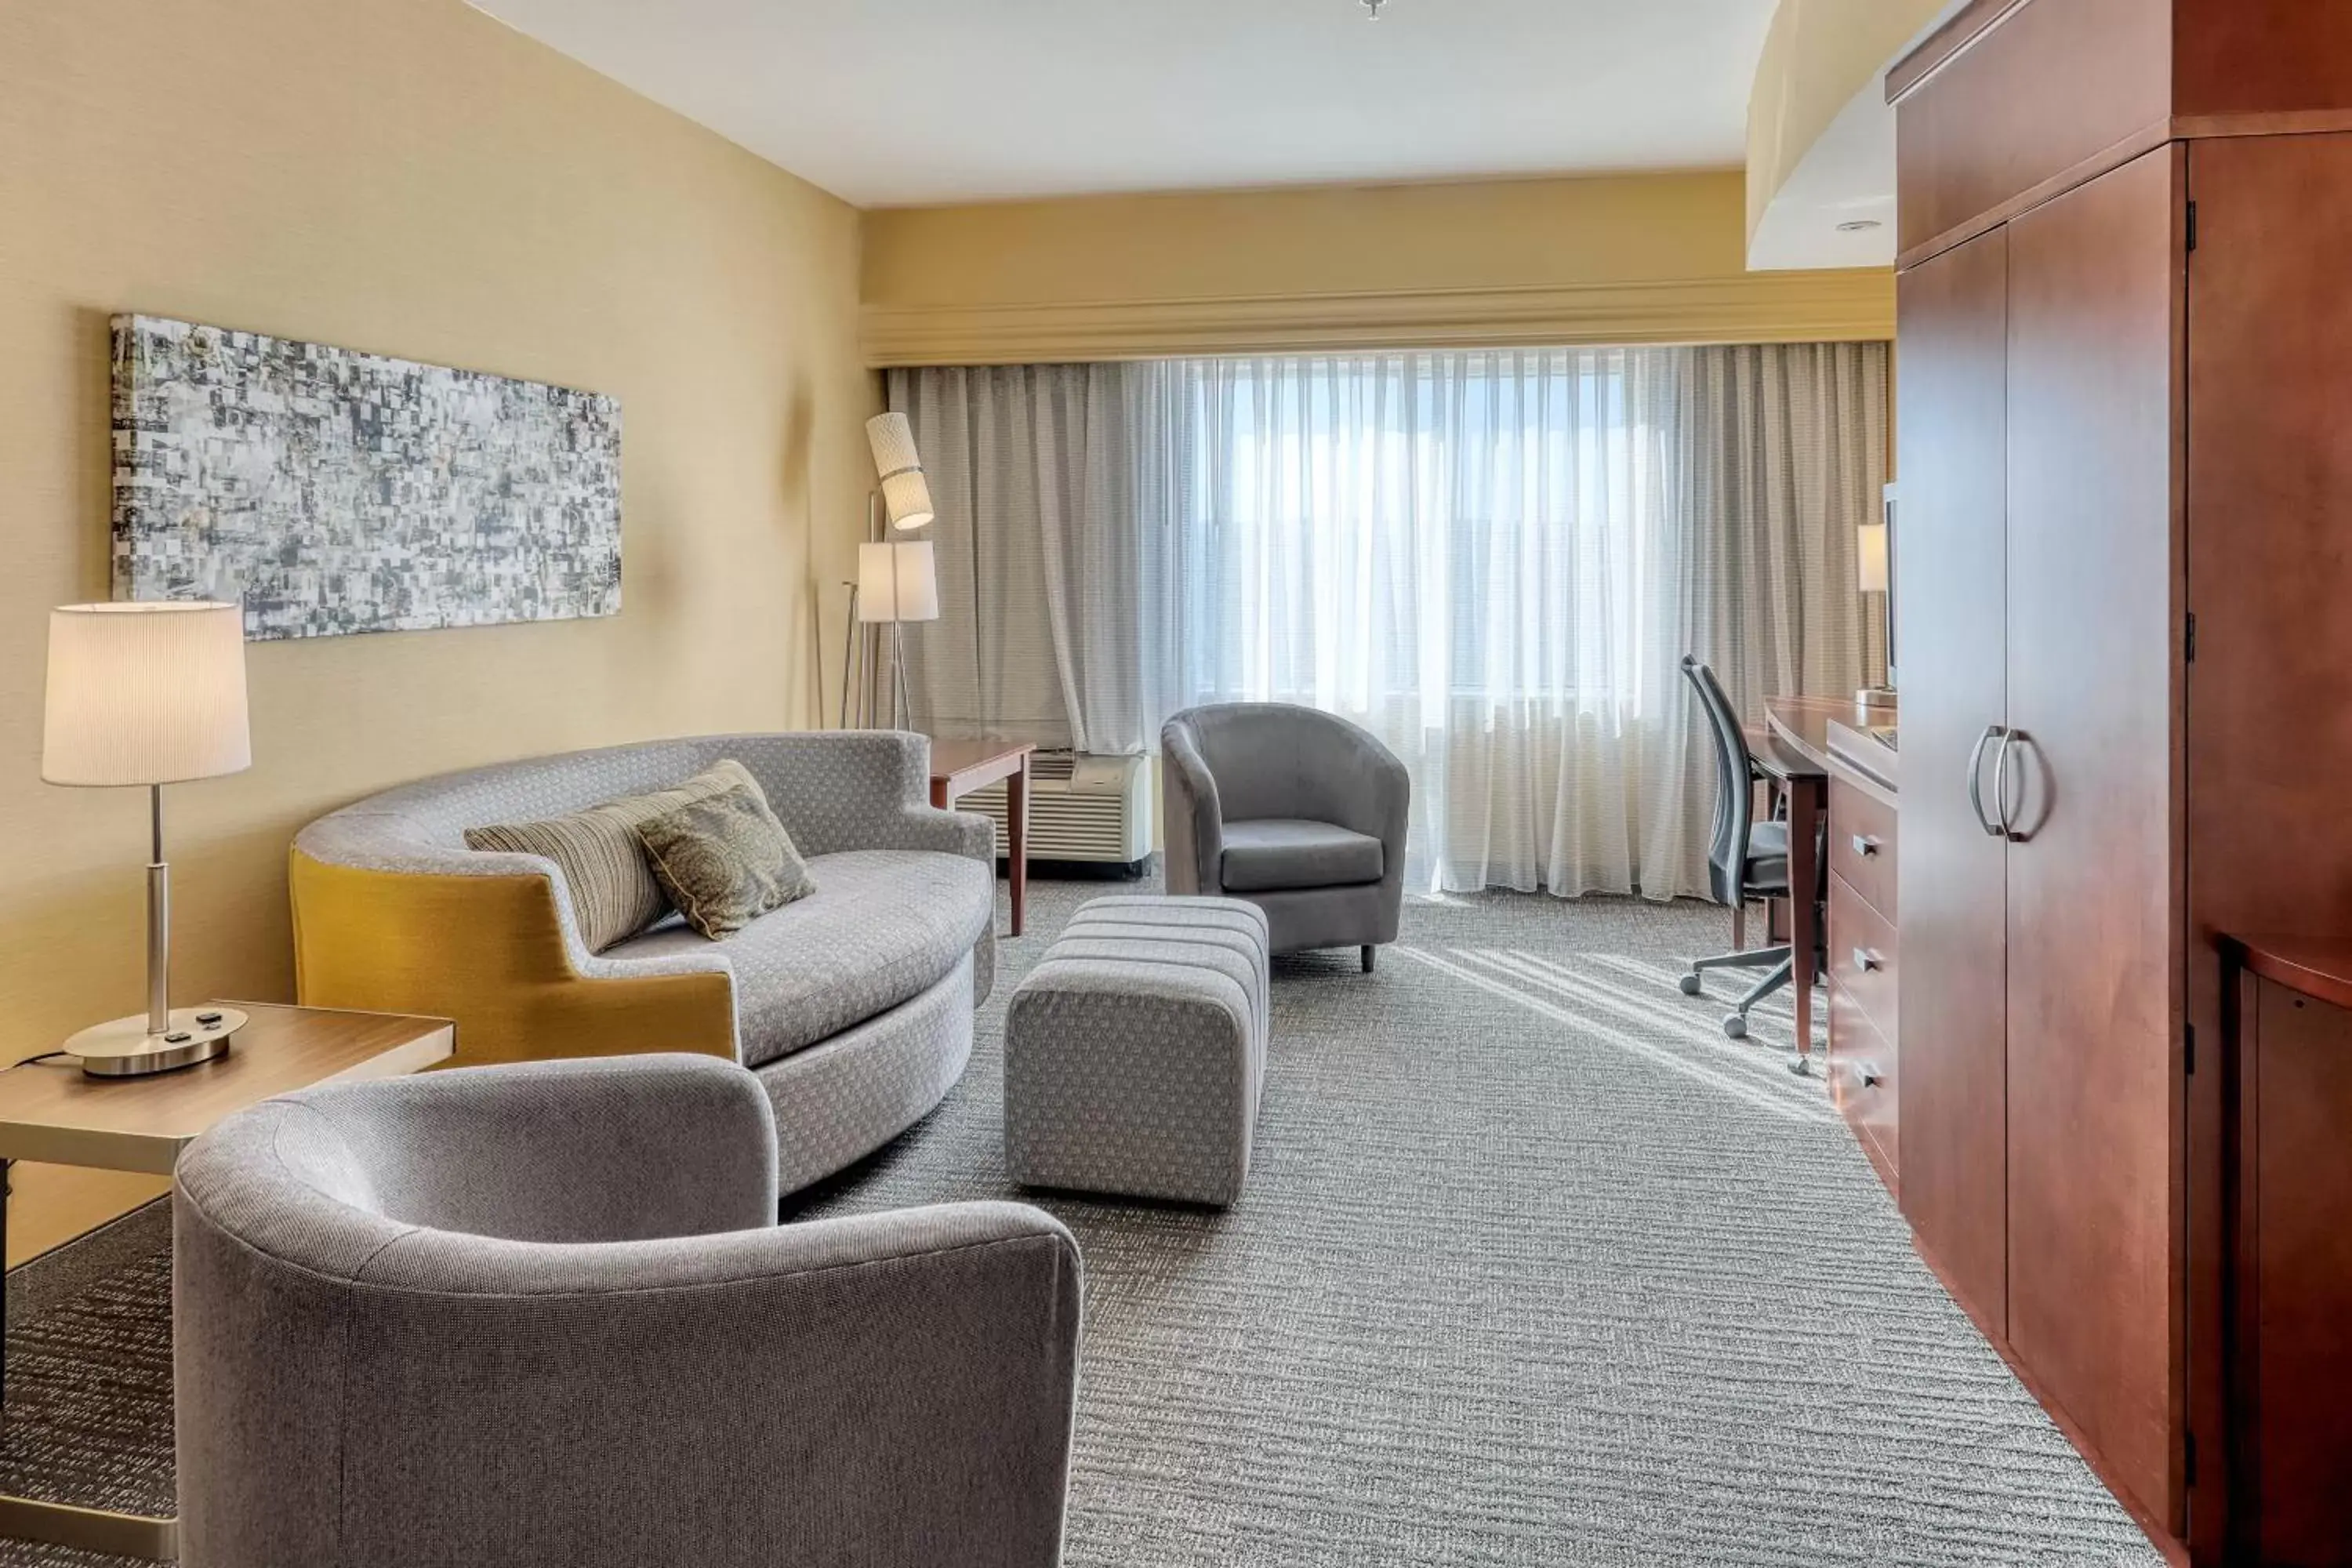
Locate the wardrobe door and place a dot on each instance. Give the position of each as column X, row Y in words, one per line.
column 2095, row 280
column 1950, row 557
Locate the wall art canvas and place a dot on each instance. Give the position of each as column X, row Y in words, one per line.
column 332, row 491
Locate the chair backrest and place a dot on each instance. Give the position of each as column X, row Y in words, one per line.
column 1734, row 784
column 1277, row 759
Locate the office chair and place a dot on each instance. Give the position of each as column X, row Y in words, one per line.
column 1746, row 861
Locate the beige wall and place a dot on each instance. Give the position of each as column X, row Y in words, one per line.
column 1644, row 258
column 409, row 177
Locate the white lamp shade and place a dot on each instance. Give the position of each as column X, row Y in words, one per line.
column 898, row 583
column 1871, row 541
column 146, row 694
column 905, row 494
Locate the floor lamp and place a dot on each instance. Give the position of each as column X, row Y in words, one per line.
column 148, row 694
column 900, row 502
column 898, row 583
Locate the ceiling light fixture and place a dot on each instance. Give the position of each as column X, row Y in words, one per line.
column 1374, row 7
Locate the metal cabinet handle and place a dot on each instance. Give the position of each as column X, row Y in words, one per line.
column 1866, row 846
column 1867, row 961
column 1976, row 779
column 2000, row 784
column 2000, row 827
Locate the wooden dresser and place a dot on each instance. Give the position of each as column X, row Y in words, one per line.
column 1865, row 1046
column 1845, row 750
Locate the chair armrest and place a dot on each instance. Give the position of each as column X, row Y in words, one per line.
column 964, row 833
column 357, row 847
column 486, row 940
column 894, row 1390
column 1195, row 825
column 614, row 1148
column 861, row 789
column 1390, row 787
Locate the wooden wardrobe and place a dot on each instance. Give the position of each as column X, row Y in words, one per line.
column 2124, row 562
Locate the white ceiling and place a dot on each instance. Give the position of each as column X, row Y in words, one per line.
column 899, row 102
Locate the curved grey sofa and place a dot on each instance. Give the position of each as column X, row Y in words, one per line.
column 1296, row 810
column 854, row 1006
column 542, row 1315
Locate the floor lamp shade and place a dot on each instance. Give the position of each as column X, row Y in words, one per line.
column 146, row 694
column 905, row 494
column 896, row 583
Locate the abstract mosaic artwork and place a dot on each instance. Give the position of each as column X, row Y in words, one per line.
column 333, row 491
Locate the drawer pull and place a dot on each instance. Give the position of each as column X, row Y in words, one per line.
column 1867, row 961
column 1866, row 846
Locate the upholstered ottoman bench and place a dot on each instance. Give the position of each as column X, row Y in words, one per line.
column 1135, row 1051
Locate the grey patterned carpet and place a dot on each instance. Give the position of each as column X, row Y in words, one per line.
column 1534, row 1267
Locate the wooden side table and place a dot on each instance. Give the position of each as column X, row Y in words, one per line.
column 960, row 767
column 51, row 1112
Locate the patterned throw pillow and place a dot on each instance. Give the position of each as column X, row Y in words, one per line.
column 613, row 892
column 725, row 861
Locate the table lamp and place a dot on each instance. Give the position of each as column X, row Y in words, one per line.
column 148, row 694
column 1872, row 576
column 897, row 583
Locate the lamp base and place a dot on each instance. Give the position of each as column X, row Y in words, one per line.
column 123, row 1049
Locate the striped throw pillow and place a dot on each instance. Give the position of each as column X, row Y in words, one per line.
column 615, row 894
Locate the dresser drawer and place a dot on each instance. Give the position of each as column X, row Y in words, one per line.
column 1862, row 1080
column 1862, row 948
column 1862, row 844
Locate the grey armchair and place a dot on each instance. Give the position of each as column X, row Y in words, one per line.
column 1299, row 812
column 543, row 1314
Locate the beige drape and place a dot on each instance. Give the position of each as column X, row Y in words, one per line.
column 1493, row 560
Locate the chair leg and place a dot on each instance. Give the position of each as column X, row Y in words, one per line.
column 1781, row 974
column 1755, row 958
column 1739, row 926
column 1368, row 951
column 1735, row 1023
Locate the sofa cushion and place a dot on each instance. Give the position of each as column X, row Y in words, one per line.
column 615, row 894
column 884, row 926
column 725, row 861
column 1267, row 854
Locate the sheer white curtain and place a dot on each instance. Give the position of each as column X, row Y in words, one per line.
column 1491, row 560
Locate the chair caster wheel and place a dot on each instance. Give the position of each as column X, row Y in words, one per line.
column 1734, row 1025
column 1800, row 1064
column 1690, row 985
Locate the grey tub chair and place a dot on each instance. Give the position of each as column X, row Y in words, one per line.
column 1299, row 812
column 542, row 1315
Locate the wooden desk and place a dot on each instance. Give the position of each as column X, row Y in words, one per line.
column 52, row 1112
column 1809, row 727
column 1799, row 753
column 960, row 767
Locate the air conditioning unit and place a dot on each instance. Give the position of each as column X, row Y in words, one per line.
column 1091, row 809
